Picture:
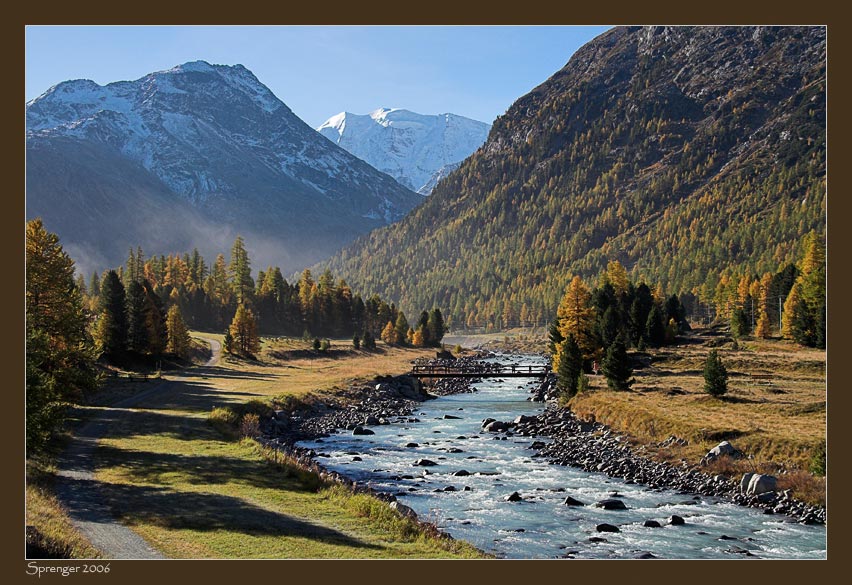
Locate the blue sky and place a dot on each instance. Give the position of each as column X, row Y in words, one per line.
column 321, row 70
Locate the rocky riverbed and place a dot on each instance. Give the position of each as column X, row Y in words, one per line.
column 591, row 447
column 594, row 447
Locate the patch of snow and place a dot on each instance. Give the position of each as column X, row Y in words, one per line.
column 408, row 146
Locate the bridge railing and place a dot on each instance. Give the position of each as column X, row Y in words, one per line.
column 479, row 370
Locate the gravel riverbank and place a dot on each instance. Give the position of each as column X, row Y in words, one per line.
column 592, row 447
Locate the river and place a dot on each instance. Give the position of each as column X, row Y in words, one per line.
column 540, row 526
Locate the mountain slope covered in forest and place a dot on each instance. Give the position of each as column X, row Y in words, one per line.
column 682, row 152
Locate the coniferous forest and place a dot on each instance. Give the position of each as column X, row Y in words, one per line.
column 689, row 177
column 146, row 308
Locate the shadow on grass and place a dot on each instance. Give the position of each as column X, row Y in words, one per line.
column 196, row 396
column 221, row 372
column 117, row 423
column 194, row 511
column 151, row 467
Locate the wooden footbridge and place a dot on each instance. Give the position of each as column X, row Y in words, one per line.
column 477, row 371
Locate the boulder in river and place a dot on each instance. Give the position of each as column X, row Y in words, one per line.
column 607, row 528
column 425, row 463
column 611, row 504
column 651, row 524
column 359, row 430
column 569, row 501
column 497, row 426
column 461, row 473
column 514, row 497
column 676, row 520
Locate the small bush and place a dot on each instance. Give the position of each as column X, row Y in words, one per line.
column 817, row 466
column 241, row 420
column 250, row 425
column 805, row 487
column 255, row 406
column 224, row 420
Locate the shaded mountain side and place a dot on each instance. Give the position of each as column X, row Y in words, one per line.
column 208, row 152
column 682, row 152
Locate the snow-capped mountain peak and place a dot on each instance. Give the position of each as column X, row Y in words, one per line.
column 415, row 149
column 216, row 138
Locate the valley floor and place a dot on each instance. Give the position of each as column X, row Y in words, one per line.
column 190, row 492
column 774, row 410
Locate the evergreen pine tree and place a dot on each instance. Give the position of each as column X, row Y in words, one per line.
column 401, row 327
column 112, row 327
column 95, row 286
column 436, row 327
column 240, row 272
column 356, row 341
column 655, row 332
column 155, row 320
column 609, row 326
column 369, row 340
column 228, row 341
column 715, row 375
column 739, row 323
column 616, row 367
column 570, row 367
column 137, row 331
column 554, row 337
column 640, row 308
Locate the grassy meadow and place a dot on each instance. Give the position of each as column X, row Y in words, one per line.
column 194, row 492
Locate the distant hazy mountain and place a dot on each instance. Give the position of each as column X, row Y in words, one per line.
column 193, row 156
column 687, row 153
column 415, row 149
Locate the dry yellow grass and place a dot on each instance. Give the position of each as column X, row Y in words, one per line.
column 57, row 537
column 779, row 419
column 288, row 367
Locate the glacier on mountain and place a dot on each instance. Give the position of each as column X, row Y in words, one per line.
column 415, row 149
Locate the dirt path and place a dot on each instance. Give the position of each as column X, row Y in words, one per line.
column 76, row 486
